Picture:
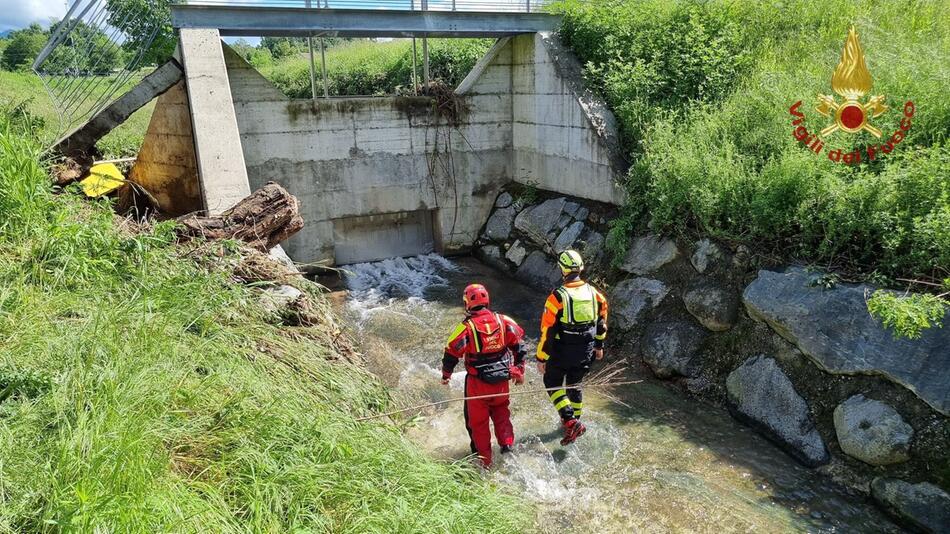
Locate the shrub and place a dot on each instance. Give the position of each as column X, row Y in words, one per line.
column 363, row 67
column 702, row 91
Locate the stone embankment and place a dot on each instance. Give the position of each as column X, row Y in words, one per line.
column 786, row 350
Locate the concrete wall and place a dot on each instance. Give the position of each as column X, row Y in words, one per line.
column 564, row 138
column 166, row 165
column 357, row 157
column 394, row 161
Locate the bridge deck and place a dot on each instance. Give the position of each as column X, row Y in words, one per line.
column 267, row 20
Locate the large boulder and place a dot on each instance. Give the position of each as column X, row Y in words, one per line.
column 516, row 253
column 707, row 255
column 540, row 222
column 568, row 236
column 760, row 393
column 633, row 297
column 670, row 346
column 923, row 506
column 591, row 246
column 538, row 270
column 648, row 253
column 833, row 327
column 872, row 431
column 715, row 307
column 491, row 255
column 498, row 227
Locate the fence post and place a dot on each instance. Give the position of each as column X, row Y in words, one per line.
column 323, row 61
column 313, row 74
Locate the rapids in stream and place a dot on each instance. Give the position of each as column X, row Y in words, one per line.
column 668, row 463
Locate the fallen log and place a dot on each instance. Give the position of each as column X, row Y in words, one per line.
column 262, row 220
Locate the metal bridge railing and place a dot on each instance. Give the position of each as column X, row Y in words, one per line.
column 490, row 6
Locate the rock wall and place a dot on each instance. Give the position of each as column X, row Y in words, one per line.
column 802, row 363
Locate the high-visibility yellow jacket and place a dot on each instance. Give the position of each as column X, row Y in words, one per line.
column 574, row 322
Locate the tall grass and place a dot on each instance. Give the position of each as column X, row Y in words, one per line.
column 702, row 90
column 144, row 391
column 375, row 68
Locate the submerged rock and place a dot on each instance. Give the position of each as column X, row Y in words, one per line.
column 923, row 506
column 716, row 308
column 669, row 347
column 539, row 271
column 649, row 253
column 567, row 237
column 539, row 221
column 760, row 392
column 834, row 329
column 707, row 255
column 633, row 297
column 516, row 253
column 872, row 431
column 491, row 255
column 498, row 227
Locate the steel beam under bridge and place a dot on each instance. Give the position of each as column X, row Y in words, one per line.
column 297, row 22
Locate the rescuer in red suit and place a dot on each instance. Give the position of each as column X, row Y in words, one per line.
column 491, row 344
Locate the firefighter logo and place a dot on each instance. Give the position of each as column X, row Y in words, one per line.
column 851, row 81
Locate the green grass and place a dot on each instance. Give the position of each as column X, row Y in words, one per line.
column 142, row 390
column 375, row 68
column 702, row 91
column 26, row 88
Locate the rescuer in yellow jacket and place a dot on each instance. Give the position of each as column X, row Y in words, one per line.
column 573, row 329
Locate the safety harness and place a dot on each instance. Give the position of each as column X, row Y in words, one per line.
column 492, row 360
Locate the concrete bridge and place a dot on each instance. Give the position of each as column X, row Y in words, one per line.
column 377, row 176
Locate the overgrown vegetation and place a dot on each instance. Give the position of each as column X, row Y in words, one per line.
column 702, row 91
column 142, row 390
column 363, row 67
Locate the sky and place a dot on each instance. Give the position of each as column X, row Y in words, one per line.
column 16, row 14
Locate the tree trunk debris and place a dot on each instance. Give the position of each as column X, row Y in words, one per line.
column 262, row 220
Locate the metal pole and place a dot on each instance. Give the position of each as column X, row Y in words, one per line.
column 528, row 5
column 425, row 50
column 425, row 60
column 415, row 82
column 323, row 61
column 313, row 75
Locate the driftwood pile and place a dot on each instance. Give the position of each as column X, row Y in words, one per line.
column 262, row 220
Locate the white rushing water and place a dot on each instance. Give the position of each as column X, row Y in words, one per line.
column 665, row 463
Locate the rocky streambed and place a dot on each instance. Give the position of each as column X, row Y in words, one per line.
column 790, row 352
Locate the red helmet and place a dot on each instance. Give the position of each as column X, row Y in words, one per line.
column 475, row 295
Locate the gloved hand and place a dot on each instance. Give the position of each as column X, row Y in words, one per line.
column 517, row 374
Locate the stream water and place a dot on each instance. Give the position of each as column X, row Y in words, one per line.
column 668, row 463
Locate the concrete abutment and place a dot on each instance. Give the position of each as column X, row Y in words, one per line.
column 384, row 176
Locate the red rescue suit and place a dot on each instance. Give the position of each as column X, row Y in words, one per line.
column 491, row 344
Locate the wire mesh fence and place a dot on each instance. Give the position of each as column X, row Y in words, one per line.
column 97, row 50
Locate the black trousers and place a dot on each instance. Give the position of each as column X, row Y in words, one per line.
column 567, row 400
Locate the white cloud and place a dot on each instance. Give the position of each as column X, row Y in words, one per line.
column 20, row 13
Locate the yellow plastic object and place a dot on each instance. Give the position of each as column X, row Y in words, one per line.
column 103, row 179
